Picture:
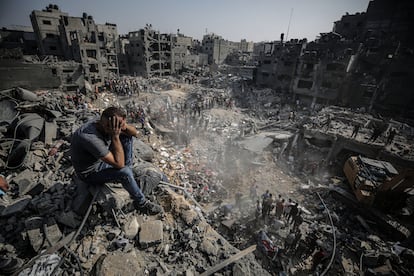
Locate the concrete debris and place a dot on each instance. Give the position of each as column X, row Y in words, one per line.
column 131, row 228
column 16, row 206
column 151, row 233
column 117, row 263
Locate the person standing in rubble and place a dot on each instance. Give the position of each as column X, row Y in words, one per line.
column 357, row 126
column 328, row 122
column 375, row 134
column 297, row 221
column 267, row 207
column 101, row 152
column 280, row 202
column 293, row 213
column 265, row 195
column 286, row 208
column 391, row 135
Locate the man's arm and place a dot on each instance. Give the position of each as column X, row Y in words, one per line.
column 115, row 157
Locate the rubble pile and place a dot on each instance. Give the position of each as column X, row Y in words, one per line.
column 209, row 155
column 44, row 205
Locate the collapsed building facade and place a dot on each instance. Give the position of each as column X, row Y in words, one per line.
column 94, row 46
column 365, row 62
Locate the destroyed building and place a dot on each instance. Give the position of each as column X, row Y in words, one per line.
column 218, row 48
column 18, row 37
column 365, row 62
column 322, row 70
column 150, row 52
column 277, row 63
column 95, row 46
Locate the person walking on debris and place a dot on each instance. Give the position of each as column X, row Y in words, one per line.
column 375, row 134
column 391, row 135
column 328, row 122
column 355, row 131
column 293, row 212
column 101, row 152
column 267, row 207
column 286, row 208
column 279, row 206
column 297, row 221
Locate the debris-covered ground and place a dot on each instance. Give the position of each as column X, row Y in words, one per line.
column 222, row 144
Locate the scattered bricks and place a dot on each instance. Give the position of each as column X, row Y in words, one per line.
column 151, row 233
column 189, row 216
column 52, row 232
column 209, row 247
column 42, row 232
column 16, row 207
column 131, row 228
column 33, row 228
column 69, row 219
column 37, row 167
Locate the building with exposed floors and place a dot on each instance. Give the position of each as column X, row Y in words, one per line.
column 277, row 62
column 46, row 27
column 95, row 46
column 150, row 52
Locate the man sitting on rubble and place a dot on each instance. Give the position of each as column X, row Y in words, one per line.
column 101, row 152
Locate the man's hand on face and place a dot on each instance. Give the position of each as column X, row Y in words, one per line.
column 115, row 125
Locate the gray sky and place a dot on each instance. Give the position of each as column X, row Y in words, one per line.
column 254, row 20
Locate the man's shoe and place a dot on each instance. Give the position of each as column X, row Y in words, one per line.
column 150, row 208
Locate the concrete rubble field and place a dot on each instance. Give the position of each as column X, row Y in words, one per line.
column 221, row 148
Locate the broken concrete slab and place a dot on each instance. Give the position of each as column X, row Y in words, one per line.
column 27, row 183
column 120, row 263
column 17, row 206
column 50, row 131
column 151, row 233
column 111, row 196
column 25, row 95
column 257, row 143
column 131, row 228
column 42, row 232
column 209, row 246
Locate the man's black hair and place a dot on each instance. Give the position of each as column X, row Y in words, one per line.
column 113, row 111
